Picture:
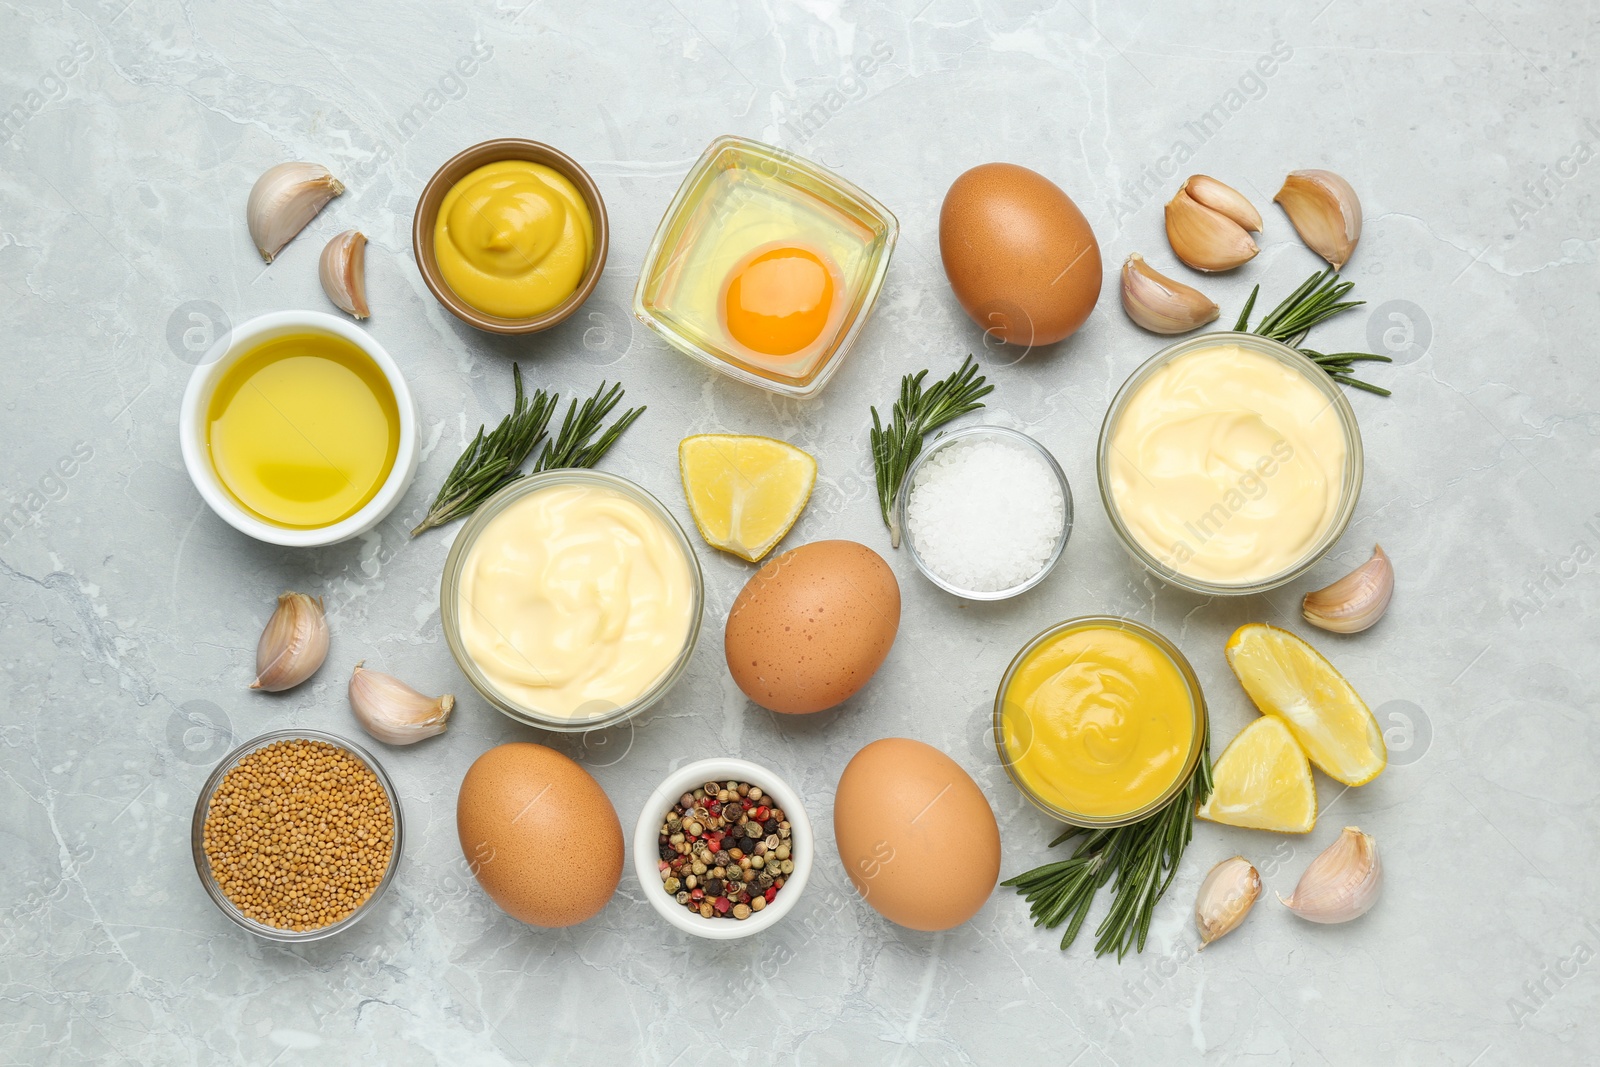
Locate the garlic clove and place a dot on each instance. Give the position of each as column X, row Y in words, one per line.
column 1226, row 896
column 293, row 645
column 1325, row 211
column 1342, row 883
column 283, row 200
column 344, row 272
column 1355, row 601
column 1206, row 239
column 1160, row 304
column 393, row 712
column 1224, row 199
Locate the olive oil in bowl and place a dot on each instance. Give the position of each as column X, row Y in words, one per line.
column 303, row 430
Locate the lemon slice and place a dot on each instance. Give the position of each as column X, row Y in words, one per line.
column 744, row 492
column 1263, row 781
column 1287, row 677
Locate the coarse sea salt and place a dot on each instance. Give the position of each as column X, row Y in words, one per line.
column 985, row 513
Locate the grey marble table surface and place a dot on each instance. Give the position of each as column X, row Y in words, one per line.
column 132, row 132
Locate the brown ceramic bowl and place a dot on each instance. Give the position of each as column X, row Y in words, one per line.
column 464, row 163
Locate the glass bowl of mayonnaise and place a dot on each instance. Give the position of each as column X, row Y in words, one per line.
column 571, row 600
column 1229, row 464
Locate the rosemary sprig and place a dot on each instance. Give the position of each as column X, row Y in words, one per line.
column 490, row 462
column 493, row 460
column 1142, row 857
column 572, row 446
column 1319, row 298
column 916, row 413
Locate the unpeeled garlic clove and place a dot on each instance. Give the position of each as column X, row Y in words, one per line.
column 1342, row 883
column 344, row 272
column 1224, row 199
column 1160, row 304
column 1325, row 211
column 1205, row 238
column 1355, row 601
column 1226, row 897
column 395, row 713
column 293, row 645
column 283, row 200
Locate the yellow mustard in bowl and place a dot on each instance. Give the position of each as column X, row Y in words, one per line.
column 1099, row 721
column 513, row 238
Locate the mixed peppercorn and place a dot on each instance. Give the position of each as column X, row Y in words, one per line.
column 725, row 850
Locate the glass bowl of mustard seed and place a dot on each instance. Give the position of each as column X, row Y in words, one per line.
column 297, row 834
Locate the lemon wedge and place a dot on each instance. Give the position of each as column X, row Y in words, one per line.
column 1263, row 781
column 744, row 492
column 1287, row 677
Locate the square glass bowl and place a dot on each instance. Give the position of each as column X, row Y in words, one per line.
column 742, row 200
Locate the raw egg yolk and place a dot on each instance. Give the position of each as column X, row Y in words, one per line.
column 779, row 302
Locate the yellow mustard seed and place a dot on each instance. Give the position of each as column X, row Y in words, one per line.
column 299, row 834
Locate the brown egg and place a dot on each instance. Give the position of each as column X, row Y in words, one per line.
column 916, row 834
column 812, row 626
column 1019, row 254
column 540, row 835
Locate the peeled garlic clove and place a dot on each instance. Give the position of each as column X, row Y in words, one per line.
column 1206, row 239
column 1224, row 199
column 283, row 200
column 1160, row 304
column 395, row 713
column 344, row 272
column 1226, row 897
column 1355, row 601
column 293, row 645
column 1342, row 883
column 1325, row 211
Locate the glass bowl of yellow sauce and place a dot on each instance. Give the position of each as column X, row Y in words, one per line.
column 298, row 429
column 511, row 235
column 571, row 600
column 1229, row 464
column 765, row 266
column 1099, row 721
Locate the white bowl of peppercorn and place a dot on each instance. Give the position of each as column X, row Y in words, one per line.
column 723, row 848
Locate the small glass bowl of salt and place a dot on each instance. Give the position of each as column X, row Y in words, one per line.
column 986, row 512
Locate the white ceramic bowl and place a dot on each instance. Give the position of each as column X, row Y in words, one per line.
column 197, row 398
column 646, row 854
